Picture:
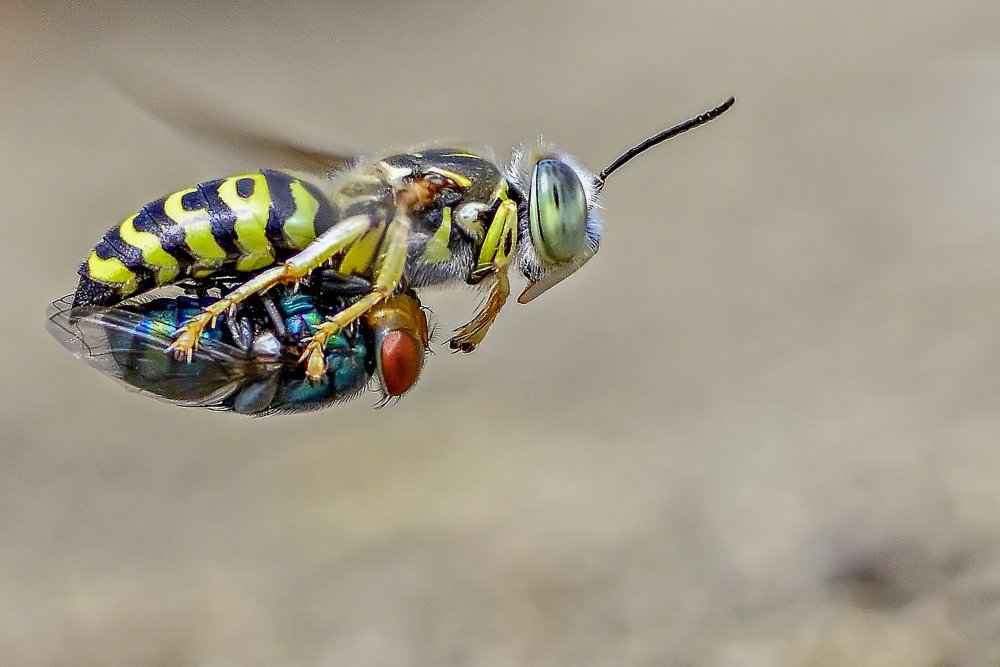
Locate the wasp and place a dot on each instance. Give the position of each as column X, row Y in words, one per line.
column 403, row 221
column 248, row 364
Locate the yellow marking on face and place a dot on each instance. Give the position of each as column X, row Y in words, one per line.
column 437, row 249
column 501, row 191
column 458, row 178
column 493, row 234
column 502, row 228
column 358, row 258
column 251, row 221
column 113, row 272
column 472, row 155
column 197, row 226
column 153, row 254
column 299, row 228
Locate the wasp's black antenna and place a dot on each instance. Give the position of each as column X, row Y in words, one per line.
column 663, row 136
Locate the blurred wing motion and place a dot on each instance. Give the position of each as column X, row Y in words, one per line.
column 203, row 116
column 122, row 344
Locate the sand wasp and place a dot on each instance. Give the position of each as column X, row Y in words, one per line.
column 430, row 216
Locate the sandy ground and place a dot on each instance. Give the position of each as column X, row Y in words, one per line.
column 761, row 428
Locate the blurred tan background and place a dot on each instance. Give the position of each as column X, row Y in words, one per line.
column 761, row 428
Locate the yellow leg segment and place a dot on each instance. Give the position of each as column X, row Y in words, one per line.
column 326, row 245
column 387, row 278
column 494, row 261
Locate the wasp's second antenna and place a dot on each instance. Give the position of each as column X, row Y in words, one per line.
column 663, row 136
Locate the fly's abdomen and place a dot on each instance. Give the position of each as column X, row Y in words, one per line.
column 238, row 224
column 142, row 362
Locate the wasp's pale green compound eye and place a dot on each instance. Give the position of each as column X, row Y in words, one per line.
column 557, row 211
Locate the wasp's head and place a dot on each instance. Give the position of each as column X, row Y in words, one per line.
column 557, row 213
column 559, row 200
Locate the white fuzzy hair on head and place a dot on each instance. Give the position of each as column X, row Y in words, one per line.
column 519, row 173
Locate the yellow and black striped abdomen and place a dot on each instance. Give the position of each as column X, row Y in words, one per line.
column 243, row 223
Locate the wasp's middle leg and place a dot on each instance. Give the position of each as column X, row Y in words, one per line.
column 297, row 267
column 494, row 262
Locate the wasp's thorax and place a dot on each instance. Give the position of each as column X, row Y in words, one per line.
column 558, row 216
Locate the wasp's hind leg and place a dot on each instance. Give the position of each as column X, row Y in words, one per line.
column 297, row 267
column 387, row 279
column 494, row 262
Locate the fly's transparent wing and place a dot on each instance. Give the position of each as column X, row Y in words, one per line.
column 201, row 115
column 120, row 344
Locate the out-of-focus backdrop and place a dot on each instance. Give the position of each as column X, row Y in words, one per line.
column 761, row 428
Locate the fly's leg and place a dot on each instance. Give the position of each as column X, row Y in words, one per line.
column 387, row 278
column 297, row 267
column 277, row 320
column 494, row 262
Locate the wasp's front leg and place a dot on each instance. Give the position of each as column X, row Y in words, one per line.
column 387, row 279
column 494, row 261
column 325, row 246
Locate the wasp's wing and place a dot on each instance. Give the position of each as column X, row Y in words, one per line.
column 115, row 342
column 202, row 115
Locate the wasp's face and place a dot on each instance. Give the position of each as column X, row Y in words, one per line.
column 558, row 218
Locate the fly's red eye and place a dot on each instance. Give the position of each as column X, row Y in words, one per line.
column 402, row 359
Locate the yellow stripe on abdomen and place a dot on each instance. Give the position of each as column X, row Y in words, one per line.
column 300, row 228
column 113, row 272
column 153, row 254
column 197, row 225
column 251, row 213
